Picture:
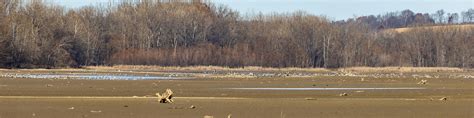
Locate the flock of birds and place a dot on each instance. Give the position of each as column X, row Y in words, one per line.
column 346, row 74
column 87, row 76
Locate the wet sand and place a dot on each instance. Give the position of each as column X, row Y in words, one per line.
column 73, row 98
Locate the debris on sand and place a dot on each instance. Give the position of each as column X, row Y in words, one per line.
column 166, row 97
column 155, row 84
column 71, row 108
column 229, row 116
column 98, row 111
column 192, row 107
column 148, row 96
column 423, row 82
column 176, row 107
column 444, row 99
column 206, row 116
column 310, row 98
column 49, row 85
column 343, row 94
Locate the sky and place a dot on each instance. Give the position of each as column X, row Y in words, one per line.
column 333, row 9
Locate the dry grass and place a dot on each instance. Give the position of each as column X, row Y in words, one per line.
column 401, row 69
column 402, row 30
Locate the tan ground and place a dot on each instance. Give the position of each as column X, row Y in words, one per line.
column 69, row 98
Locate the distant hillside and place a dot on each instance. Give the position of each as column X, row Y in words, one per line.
column 402, row 30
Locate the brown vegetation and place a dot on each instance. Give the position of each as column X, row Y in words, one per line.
column 401, row 69
column 408, row 29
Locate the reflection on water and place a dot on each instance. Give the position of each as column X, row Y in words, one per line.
column 91, row 76
column 324, row 89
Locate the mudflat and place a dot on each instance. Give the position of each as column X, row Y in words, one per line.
column 252, row 94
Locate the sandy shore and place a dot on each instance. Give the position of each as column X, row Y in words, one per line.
column 76, row 98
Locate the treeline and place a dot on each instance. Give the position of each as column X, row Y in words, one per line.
column 408, row 18
column 34, row 34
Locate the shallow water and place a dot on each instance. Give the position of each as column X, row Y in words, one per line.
column 92, row 77
column 325, row 89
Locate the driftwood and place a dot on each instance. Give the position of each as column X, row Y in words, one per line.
column 192, row 107
column 423, row 82
column 343, row 94
column 166, row 97
column 444, row 99
column 206, row 116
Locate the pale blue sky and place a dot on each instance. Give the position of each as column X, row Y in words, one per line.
column 334, row 9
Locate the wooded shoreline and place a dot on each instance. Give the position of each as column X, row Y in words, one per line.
column 35, row 34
